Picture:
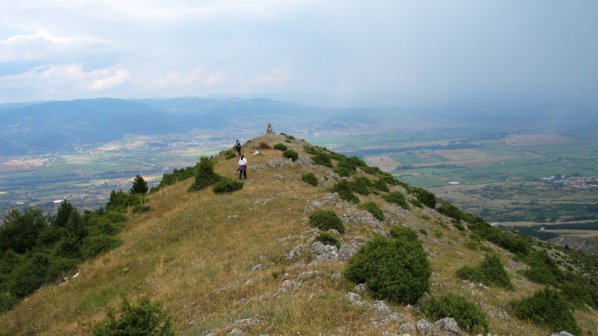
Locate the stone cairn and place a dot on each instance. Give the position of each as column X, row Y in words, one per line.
column 269, row 129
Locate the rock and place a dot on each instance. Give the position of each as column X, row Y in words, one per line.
column 289, row 284
column 334, row 232
column 235, row 332
column 562, row 333
column 308, row 275
column 257, row 267
column 296, row 252
column 248, row 322
column 425, row 327
column 449, row 325
column 324, row 253
column 360, row 287
column 348, row 249
column 354, row 298
column 257, row 153
column 384, row 315
column 407, row 328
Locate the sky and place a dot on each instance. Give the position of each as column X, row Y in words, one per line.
column 349, row 52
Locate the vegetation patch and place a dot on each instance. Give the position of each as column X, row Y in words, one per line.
column 328, row 239
column 547, row 308
column 280, row 147
column 374, row 209
column 143, row 318
column 290, row 154
column 326, row 220
column 182, row 174
column 205, row 176
column 467, row 314
column 322, row 159
column 361, row 185
column 226, row 185
column 425, row 197
column 490, row 272
column 380, row 185
column 396, row 269
column 263, row 145
column 397, row 198
column 310, row 178
column 344, row 191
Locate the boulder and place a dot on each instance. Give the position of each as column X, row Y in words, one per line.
column 449, row 325
column 425, row 327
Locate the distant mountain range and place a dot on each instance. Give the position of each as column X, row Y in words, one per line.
column 62, row 126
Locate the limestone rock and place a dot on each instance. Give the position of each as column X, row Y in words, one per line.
column 408, row 328
column 296, row 252
column 324, row 253
column 425, row 327
column 360, row 287
column 448, row 324
column 257, row 267
column 354, row 298
column 562, row 333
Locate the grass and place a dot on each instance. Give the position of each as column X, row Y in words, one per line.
column 193, row 253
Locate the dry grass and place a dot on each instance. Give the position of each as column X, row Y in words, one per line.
column 194, row 253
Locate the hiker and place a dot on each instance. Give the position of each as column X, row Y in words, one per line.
column 238, row 147
column 242, row 167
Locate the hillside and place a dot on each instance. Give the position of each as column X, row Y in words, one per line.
column 247, row 260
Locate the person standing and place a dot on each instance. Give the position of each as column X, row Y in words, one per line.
column 242, row 167
column 238, row 147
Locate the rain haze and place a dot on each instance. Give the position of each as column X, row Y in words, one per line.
column 324, row 52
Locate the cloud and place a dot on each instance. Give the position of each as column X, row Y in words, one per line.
column 61, row 82
column 43, row 45
column 276, row 78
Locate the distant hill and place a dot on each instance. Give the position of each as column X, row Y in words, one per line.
column 265, row 259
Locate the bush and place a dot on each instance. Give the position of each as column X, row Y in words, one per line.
column 543, row 269
column 490, row 272
column 326, row 220
column 402, row 232
column 458, row 225
column 547, row 308
column 322, row 160
column 344, row 168
column 397, row 198
column 290, row 154
column 94, row 245
column 467, row 314
column 380, row 185
column 7, row 301
column 230, row 154
column 140, row 208
column 344, row 191
column 393, row 269
column 310, row 150
column 263, row 145
column 361, row 185
column 145, row 318
column 310, row 178
column 374, row 209
column 425, row 197
column 178, row 175
column 226, row 185
column 205, row 176
column 280, row 147
column 328, row 239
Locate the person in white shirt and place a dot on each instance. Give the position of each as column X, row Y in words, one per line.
column 242, row 167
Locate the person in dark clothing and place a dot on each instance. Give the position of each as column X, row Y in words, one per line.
column 238, row 147
column 242, row 167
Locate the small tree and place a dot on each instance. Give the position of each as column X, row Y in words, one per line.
column 139, row 186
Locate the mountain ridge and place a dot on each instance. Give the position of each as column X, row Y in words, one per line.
column 213, row 260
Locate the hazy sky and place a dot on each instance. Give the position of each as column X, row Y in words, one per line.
column 355, row 51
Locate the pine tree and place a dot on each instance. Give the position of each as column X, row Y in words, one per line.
column 139, row 185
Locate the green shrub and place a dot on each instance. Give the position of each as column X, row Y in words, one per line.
column 543, row 269
column 182, row 174
column 490, row 272
column 226, row 185
column 360, row 185
column 322, row 159
column 310, row 178
column 144, row 318
column 547, row 308
column 326, row 220
column 402, row 232
column 120, row 200
column 344, row 191
column 7, row 301
column 230, row 154
column 393, row 269
column 290, row 154
column 310, row 150
column 450, row 210
column 94, row 245
column 374, row 209
column 280, row 147
column 458, row 225
column 467, row 314
column 380, row 185
column 290, row 137
column 342, row 170
column 328, row 239
column 425, row 197
column 397, row 198
column 59, row 267
column 205, row 176
column 139, row 186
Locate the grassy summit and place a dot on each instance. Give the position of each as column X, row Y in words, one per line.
column 247, row 260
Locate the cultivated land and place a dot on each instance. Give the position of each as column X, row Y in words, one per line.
column 195, row 253
column 500, row 179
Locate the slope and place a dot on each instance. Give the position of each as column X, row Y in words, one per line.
column 247, row 261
